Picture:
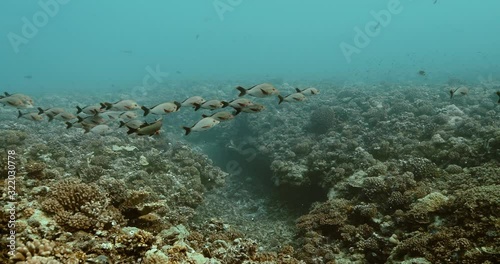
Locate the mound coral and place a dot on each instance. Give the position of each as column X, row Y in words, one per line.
column 321, row 120
column 78, row 206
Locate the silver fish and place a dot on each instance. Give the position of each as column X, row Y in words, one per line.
column 30, row 116
column 259, row 90
column 211, row 104
column 221, row 116
column 122, row 105
column 193, row 101
column 50, row 112
column 162, row 109
column 202, row 125
column 90, row 109
column 295, row 97
column 308, row 91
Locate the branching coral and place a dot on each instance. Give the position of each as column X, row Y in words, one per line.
column 46, row 252
column 78, row 206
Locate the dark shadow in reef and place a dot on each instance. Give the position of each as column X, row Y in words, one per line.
column 253, row 172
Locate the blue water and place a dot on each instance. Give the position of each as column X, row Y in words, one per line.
column 95, row 45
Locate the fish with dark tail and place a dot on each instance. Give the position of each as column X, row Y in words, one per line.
column 204, row 124
column 259, row 90
column 147, row 129
column 30, row 116
column 460, row 90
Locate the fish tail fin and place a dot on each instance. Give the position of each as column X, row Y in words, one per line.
column 106, row 105
column 298, row 90
column 188, row 130
column 197, row 107
column 122, row 124
column 145, row 109
column 78, row 109
column 224, row 104
column 178, row 105
column 40, row 110
column 281, row 99
column 242, row 90
column 19, row 114
column 131, row 130
column 69, row 125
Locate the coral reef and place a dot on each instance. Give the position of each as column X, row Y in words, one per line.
column 78, row 206
column 361, row 174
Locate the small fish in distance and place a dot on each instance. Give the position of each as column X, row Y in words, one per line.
column 308, row 91
column 240, row 102
column 90, row 109
column 295, row 97
column 193, row 101
column 17, row 100
column 211, row 105
column 30, row 116
column 253, row 108
column 123, row 105
column 50, row 112
column 461, row 90
column 134, row 123
column 220, row 116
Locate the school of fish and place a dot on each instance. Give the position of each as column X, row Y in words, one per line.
column 97, row 118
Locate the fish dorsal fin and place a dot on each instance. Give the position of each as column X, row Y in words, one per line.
column 145, row 124
column 177, row 104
